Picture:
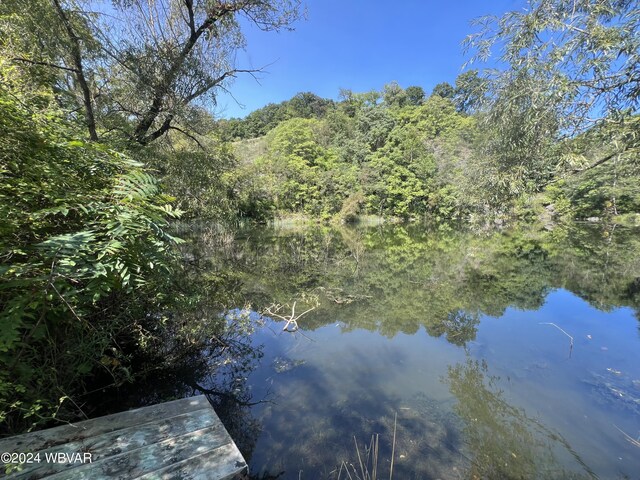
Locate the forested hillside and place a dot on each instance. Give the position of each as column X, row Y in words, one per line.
column 397, row 153
column 394, row 153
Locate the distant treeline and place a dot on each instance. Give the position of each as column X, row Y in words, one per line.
column 309, row 105
column 400, row 153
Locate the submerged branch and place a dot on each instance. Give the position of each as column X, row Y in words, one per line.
column 570, row 337
column 292, row 319
column 628, row 437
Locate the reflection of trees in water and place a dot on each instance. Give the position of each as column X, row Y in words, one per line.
column 601, row 265
column 392, row 279
column 217, row 361
column 225, row 384
column 400, row 278
column 459, row 327
column 504, row 442
column 389, row 279
column 237, row 417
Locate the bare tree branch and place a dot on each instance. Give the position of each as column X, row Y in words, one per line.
column 273, row 311
column 188, row 135
column 216, row 81
column 158, row 133
column 191, row 20
column 76, row 55
column 140, row 133
column 46, row 64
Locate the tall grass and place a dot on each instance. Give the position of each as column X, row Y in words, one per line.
column 367, row 464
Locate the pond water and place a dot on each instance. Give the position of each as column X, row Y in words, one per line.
column 502, row 355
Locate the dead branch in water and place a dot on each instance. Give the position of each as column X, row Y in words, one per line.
column 274, row 311
column 570, row 337
column 629, row 438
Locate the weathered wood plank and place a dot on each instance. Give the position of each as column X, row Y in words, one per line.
column 137, row 462
column 123, row 440
column 223, row 463
column 175, row 440
column 35, row 441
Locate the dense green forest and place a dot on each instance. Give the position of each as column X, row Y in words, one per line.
column 398, row 154
column 106, row 139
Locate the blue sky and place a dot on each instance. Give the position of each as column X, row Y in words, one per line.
column 358, row 44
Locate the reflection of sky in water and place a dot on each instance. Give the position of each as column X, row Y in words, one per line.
column 352, row 384
column 340, row 384
column 585, row 396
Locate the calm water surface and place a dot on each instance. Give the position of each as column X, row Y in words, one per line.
column 504, row 355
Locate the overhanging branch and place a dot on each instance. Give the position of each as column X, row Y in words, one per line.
column 599, row 162
column 217, row 81
column 45, row 64
column 188, row 135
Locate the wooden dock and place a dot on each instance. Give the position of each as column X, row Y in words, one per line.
column 182, row 439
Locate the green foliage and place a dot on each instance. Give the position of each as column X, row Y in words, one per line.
column 196, row 180
column 586, row 51
column 415, row 95
column 89, row 275
column 167, row 58
column 373, row 126
column 525, row 133
column 84, row 252
column 572, row 69
column 452, row 156
column 352, row 102
column 351, row 208
column 469, row 91
column 194, row 171
column 394, row 96
column 443, row 90
column 261, row 121
column 604, row 194
column 363, row 156
column 294, row 165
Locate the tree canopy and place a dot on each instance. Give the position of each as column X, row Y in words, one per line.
column 572, row 65
column 136, row 68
